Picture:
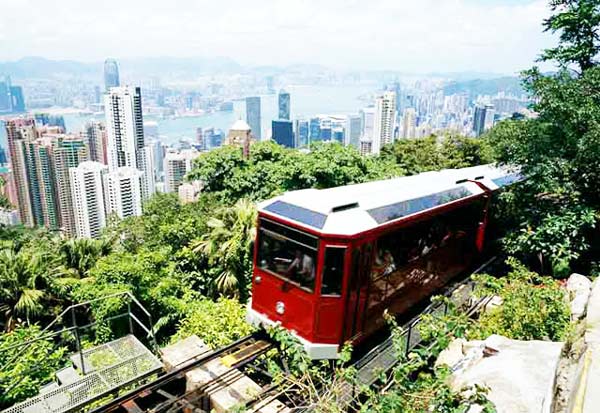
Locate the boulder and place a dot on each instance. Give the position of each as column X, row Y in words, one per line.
column 452, row 355
column 519, row 374
column 579, row 287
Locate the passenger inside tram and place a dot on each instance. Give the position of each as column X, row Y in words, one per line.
column 302, row 268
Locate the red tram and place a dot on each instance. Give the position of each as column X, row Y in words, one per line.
column 328, row 263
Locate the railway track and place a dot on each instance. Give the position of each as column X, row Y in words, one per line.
column 169, row 393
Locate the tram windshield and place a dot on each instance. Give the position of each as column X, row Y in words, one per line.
column 288, row 253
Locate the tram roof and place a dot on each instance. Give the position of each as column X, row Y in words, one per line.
column 352, row 209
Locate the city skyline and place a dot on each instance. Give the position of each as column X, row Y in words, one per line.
column 427, row 36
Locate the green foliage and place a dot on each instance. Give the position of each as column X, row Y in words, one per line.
column 434, row 153
column 533, row 307
column 216, row 323
column 29, row 368
column 272, row 169
column 577, row 21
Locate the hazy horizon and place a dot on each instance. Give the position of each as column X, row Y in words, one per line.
column 428, row 36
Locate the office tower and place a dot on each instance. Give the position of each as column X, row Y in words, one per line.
column 270, row 85
column 384, row 120
column 301, row 130
column 176, row 165
column 97, row 95
column 253, row 115
column 123, row 192
column 367, row 121
column 338, row 134
column 125, row 133
column 19, row 133
column 94, row 134
column 353, row 131
column 483, row 118
column 50, row 121
column 325, row 128
column 240, row 134
column 68, row 152
column 87, row 195
column 3, row 157
column 5, row 98
column 284, row 105
column 111, row 74
column 409, row 123
column 17, row 99
column 314, row 130
column 283, row 133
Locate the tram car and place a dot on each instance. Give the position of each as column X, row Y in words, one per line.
column 328, row 263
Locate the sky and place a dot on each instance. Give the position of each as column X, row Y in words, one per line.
column 500, row 36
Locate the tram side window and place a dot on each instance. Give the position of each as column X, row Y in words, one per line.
column 288, row 258
column 333, row 271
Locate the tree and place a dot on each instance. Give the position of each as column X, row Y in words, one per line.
column 22, row 286
column 80, row 255
column 228, row 247
column 578, row 22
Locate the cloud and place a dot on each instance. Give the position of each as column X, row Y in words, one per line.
column 407, row 35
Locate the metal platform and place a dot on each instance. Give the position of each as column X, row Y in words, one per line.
column 108, row 367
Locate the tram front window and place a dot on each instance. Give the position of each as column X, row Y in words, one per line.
column 290, row 254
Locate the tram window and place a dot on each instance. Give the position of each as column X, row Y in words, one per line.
column 333, row 271
column 288, row 258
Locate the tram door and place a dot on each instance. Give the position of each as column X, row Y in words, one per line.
column 357, row 290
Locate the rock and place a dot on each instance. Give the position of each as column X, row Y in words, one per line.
column 452, row 355
column 579, row 287
column 520, row 374
column 494, row 302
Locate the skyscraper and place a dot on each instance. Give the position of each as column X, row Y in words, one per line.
column 409, row 123
column 19, row 133
column 483, row 118
column 111, row 74
column 384, row 120
column 122, row 192
column 11, row 97
column 125, row 133
column 240, row 134
column 284, row 105
column 301, row 130
column 68, row 152
column 353, row 131
column 283, row 133
column 87, row 189
column 253, row 115
column 94, row 134
column 17, row 99
column 314, row 133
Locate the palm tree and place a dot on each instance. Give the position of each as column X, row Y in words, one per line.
column 228, row 246
column 21, row 285
column 80, row 255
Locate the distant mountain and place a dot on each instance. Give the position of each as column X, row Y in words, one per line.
column 39, row 67
column 507, row 84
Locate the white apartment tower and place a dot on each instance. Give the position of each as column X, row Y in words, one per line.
column 88, row 198
column 409, row 124
column 122, row 192
column 176, row 165
column 125, row 134
column 384, row 119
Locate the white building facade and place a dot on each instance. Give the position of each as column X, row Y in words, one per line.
column 88, row 198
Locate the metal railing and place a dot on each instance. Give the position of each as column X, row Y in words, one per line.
column 72, row 323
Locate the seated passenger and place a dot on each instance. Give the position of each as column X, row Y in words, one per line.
column 302, row 267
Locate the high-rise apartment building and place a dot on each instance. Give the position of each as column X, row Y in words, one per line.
column 409, row 124
column 68, row 152
column 111, row 74
column 19, row 133
column 384, row 120
column 94, row 134
column 122, row 192
column 253, row 115
column 176, row 165
column 284, row 105
column 87, row 189
column 125, row 133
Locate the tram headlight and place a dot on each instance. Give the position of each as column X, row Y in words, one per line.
column 280, row 307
